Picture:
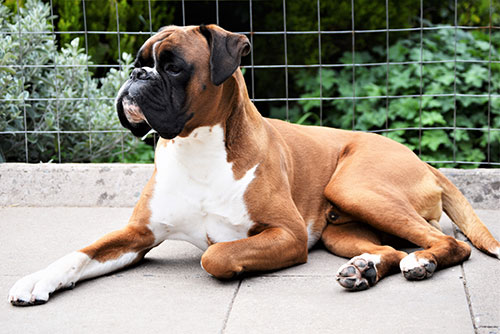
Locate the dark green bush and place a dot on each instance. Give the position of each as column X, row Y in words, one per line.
column 87, row 95
column 374, row 112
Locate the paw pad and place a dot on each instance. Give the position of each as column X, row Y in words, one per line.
column 358, row 274
column 20, row 302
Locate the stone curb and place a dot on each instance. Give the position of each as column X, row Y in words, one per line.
column 480, row 186
column 79, row 185
column 120, row 185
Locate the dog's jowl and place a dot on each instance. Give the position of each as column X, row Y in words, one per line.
column 254, row 193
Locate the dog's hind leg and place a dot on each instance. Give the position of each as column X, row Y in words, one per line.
column 112, row 252
column 370, row 259
column 388, row 211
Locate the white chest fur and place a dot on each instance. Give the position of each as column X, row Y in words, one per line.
column 196, row 197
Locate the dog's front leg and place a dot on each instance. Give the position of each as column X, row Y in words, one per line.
column 112, row 252
column 274, row 248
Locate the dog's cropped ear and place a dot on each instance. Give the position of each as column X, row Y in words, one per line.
column 226, row 50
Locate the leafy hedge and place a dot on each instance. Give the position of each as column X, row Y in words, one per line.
column 85, row 98
column 438, row 78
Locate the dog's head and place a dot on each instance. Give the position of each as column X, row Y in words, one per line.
column 178, row 76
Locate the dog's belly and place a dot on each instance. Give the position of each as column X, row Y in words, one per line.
column 196, row 197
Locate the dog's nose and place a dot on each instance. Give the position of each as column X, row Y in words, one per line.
column 139, row 73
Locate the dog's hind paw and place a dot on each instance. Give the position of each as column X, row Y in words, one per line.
column 359, row 273
column 416, row 268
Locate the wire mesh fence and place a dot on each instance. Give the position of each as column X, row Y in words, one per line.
column 435, row 86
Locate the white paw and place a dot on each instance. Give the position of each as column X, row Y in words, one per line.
column 414, row 268
column 36, row 288
column 22, row 292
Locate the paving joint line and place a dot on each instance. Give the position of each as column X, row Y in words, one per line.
column 457, row 233
column 230, row 307
column 469, row 302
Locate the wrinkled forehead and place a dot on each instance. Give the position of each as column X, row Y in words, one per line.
column 186, row 41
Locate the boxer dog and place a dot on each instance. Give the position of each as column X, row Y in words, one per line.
column 254, row 193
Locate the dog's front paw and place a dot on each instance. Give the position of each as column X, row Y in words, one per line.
column 359, row 273
column 415, row 267
column 29, row 290
column 36, row 288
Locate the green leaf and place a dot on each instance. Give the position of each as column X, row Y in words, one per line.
column 435, row 138
column 400, row 80
column 476, row 75
column 432, row 118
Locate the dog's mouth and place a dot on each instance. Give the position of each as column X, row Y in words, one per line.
column 132, row 111
column 131, row 115
column 144, row 107
column 136, row 116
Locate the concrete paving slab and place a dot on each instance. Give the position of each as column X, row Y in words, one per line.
column 307, row 299
column 482, row 276
column 32, row 238
column 492, row 330
column 38, row 236
column 126, row 304
column 170, row 292
column 320, row 305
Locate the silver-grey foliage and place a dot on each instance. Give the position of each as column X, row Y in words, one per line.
column 65, row 106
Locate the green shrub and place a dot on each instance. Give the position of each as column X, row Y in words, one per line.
column 86, row 103
column 64, row 97
column 376, row 113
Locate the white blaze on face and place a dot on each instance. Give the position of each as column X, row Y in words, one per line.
column 150, row 70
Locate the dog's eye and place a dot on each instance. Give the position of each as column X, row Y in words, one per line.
column 173, row 69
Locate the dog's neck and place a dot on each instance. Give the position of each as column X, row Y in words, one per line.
column 243, row 125
column 242, row 128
